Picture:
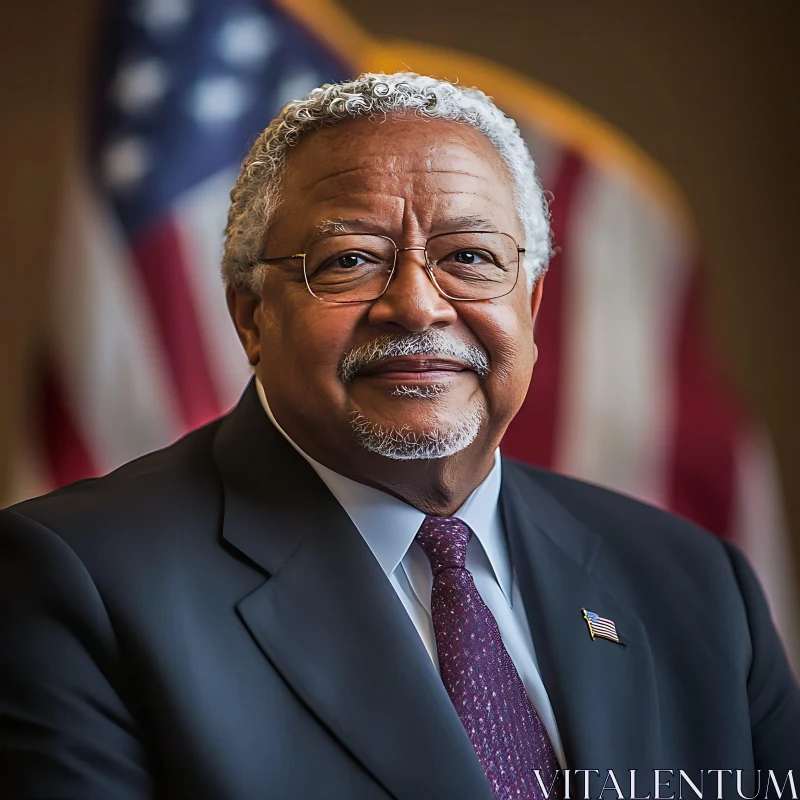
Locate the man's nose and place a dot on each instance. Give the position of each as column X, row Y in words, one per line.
column 412, row 301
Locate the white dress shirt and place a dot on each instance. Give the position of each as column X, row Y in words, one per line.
column 389, row 527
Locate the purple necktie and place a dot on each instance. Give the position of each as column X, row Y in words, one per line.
column 486, row 690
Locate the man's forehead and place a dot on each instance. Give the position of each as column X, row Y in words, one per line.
column 386, row 211
column 356, row 148
column 445, row 175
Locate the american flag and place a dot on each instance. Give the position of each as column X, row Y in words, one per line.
column 600, row 627
column 627, row 391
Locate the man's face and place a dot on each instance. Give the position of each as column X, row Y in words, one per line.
column 407, row 179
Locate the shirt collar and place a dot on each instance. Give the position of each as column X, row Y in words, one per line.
column 389, row 525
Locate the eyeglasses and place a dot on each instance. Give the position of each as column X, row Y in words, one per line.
column 357, row 267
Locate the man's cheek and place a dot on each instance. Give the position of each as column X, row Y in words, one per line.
column 318, row 356
column 510, row 350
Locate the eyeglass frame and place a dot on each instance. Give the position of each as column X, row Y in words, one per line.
column 428, row 267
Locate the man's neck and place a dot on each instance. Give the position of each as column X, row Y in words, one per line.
column 437, row 486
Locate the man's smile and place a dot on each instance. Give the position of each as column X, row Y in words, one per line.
column 414, row 370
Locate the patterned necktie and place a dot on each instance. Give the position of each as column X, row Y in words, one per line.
column 486, row 690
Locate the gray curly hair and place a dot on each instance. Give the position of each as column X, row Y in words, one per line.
column 256, row 194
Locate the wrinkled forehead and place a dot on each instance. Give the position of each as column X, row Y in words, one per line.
column 430, row 167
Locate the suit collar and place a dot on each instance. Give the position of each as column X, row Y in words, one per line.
column 603, row 694
column 329, row 621
column 542, row 515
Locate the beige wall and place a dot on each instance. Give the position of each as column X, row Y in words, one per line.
column 42, row 49
column 705, row 86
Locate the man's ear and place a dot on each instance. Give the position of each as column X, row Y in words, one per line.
column 536, row 298
column 244, row 308
column 536, row 301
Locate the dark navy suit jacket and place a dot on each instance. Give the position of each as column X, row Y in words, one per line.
column 206, row 622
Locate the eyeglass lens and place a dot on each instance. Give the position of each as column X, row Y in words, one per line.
column 357, row 267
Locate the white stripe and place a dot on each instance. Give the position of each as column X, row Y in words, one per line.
column 604, row 635
column 102, row 336
column 603, row 632
column 760, row 529
column 200, row 217
column 627, row 261
column 598, row 626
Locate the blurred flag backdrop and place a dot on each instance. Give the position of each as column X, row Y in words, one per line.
column 627, row 392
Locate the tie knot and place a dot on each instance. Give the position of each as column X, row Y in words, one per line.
column 444, row 540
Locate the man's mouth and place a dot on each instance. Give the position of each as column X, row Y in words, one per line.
column 414, row 369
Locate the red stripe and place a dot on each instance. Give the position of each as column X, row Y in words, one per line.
column 706, row 425
column 532, row 434
column 163, row 269
column 66, row 453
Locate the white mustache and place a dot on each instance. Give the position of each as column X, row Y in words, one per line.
column 428, row 343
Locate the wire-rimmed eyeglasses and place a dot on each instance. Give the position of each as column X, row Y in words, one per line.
column 358, row 267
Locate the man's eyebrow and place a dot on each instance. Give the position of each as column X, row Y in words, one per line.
column 340, row 225
column 331, row 226
column 466, row 223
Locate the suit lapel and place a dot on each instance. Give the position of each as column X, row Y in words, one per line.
column 330, row 622
column 603, row 694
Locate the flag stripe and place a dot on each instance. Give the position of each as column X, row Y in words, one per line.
column 200, row 219
column 619, row 300
column 158, row 252
column 113, row 371
column 602, row 626
column 759, row 527
column 705, row 427
column 532, row 435
column 66, row 452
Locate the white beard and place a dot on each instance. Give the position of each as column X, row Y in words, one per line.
column 403, row 444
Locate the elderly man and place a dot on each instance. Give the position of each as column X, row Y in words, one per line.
column 341, row 590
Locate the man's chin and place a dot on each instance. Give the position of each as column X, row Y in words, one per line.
column 406, row 437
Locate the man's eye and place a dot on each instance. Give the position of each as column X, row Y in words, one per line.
column 469, row 257
column 347, row 261
column 355, row 262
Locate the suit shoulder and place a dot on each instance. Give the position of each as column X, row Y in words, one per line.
column 624, row 522
column 145, row 495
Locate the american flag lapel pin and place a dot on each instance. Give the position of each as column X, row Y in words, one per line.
column 600, row 627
